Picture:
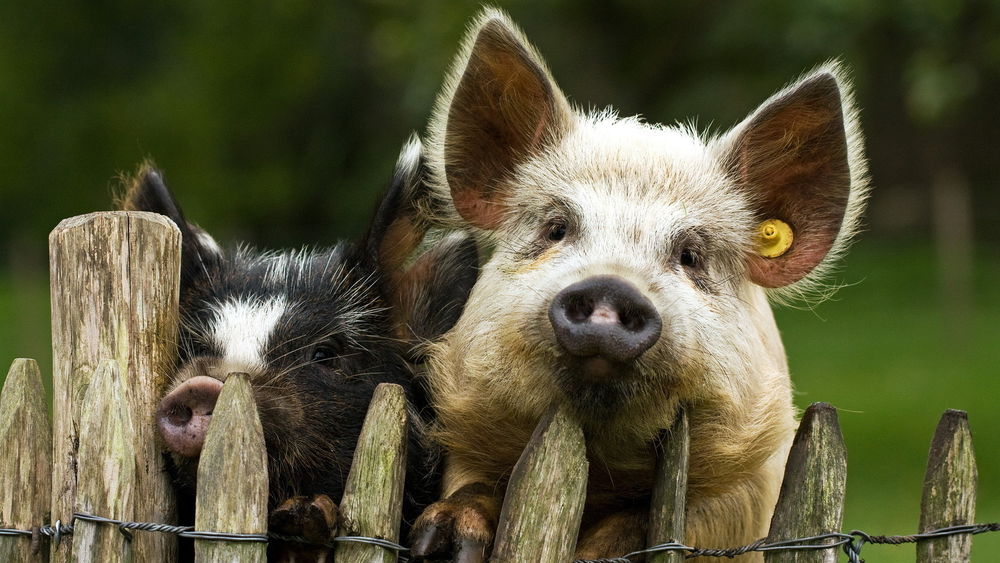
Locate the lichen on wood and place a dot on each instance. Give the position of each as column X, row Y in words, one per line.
column 811, row 501
column 541, row 513
column 372, row 505
column 26, row 463
column 949, row 497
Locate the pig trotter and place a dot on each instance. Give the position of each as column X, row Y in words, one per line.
column 312, row 518
column 460, row 527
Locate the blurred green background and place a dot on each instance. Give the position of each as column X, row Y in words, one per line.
column 278, row 123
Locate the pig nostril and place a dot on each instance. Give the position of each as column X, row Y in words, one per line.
column 632, row 321
column 579, row 309
column 180, row 415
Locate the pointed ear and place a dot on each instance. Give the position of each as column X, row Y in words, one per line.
column 793, row 157
column 427, row 296
column 147, row 191
column 396, row 229
column 431, row 294
column 498, row 106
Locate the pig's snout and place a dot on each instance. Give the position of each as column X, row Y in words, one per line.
column 605, row 321
column 185, row 412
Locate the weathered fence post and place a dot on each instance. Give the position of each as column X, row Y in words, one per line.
column 811, row 501
column 541, row 513
column 26, row 465
column 666, row 514
column 114, row 285
column 373, row 494
column 949, row 490
column 106, row 474
column 232, row 477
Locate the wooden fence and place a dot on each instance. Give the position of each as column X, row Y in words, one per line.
column 114, row 313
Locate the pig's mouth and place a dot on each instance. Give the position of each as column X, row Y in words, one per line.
column 595, row 382
column 597, row 370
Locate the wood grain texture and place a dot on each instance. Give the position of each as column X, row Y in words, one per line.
column 373, row 495
column 950, row 484
column 811, row 500
column 232, row 477
column 26, row 462
column 666, row 513
column 114, row 289
column 541, row 513
column 106, row 472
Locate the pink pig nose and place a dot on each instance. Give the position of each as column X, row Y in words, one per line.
column 185, row 412
column 604, row 318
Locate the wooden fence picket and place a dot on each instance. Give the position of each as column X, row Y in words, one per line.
column 114, row 287
column 811, row 501
column 949, row 497
column 106, row 472
column 372, row 505
column 543, row 507
column 232, row 478
column 666, row 515
column 26, row 463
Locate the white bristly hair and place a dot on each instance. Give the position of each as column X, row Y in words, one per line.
column 241, row 328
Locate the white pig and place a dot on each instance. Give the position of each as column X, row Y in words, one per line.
column 632, row 269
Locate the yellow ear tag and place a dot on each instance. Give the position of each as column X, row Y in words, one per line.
column 774, row 238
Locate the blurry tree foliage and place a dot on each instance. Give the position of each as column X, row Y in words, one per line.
column 278, row 122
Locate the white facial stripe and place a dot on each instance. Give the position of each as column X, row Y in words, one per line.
column 241, row 329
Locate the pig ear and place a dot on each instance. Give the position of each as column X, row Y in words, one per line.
column 498, row 105
column 147, row 191
column 427, row 296
column 432, row 292
column 794, row 156
column 396, row 229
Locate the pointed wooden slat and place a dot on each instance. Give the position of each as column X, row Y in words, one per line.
column 26, row 462
column 114, row 289
column 811, row 501
column 949, row 490
column 373, row 495
column 232, row 477
column 666, row 514
column 541, row 513
column 106, row 475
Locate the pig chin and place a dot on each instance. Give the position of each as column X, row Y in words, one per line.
column 594, row 385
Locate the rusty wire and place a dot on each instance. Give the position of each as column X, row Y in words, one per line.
column 851, row 543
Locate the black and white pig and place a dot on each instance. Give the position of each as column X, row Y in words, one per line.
column 632, row 268
column 316, row 330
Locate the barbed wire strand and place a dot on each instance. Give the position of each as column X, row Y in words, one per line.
column 851, row 543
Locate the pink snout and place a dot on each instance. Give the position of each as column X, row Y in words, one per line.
column 185, row 412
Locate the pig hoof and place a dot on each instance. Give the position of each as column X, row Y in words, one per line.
column 314, row 518
column 459, row 528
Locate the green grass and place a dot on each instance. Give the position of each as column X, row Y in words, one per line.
column 886, row 350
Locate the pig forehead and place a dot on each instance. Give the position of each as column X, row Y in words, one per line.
column 241, row 329
column 626, row 160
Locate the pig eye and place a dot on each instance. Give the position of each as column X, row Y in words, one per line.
column 324, row 354
column 556, row 230
column 688, row 258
